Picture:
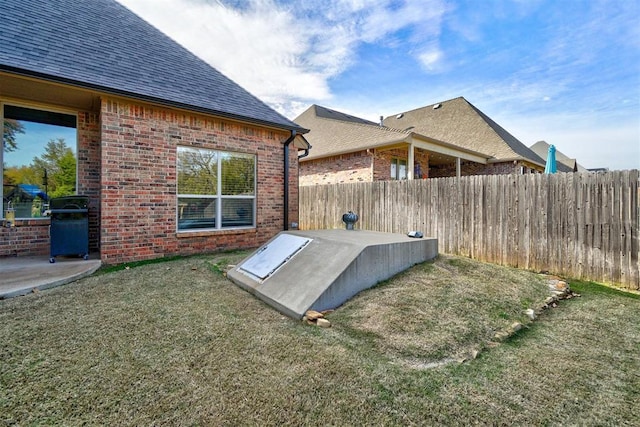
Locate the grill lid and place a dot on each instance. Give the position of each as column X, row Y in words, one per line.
column 69, row 202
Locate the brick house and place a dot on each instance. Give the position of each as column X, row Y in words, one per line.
column 351, row 149
column 450, row 138
column 174, row 157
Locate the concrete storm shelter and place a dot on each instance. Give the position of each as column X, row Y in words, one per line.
column 318, row 270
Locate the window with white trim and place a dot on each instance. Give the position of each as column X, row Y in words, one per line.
column 398, row 168
column 216, row 189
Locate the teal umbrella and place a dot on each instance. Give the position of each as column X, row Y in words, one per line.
column 550, row 167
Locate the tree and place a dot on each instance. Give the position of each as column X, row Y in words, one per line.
column 11, row 128
column 60, row 163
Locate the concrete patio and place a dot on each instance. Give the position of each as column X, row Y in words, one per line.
column 21, row 275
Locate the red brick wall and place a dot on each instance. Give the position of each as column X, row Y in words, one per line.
column 351, row 167
column 138, row 183
column 88, row 133
column 27, row 238
column 382, row 162
column 362, row 166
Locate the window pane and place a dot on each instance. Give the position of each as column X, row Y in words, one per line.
column 196, row 213
column 394, row 169
column 237, row 212
column 197, row 171
column 39, row 160
column 402, row 169
column 238, row 174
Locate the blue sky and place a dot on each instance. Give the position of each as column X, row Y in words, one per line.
column 563, row 71
column 33, row 141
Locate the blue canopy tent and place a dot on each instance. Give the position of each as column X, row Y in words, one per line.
column 550, row 166
column 33, row 191
column 21, row 200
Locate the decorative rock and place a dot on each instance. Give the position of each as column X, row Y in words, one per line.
column 313, row 315
column 323, row 323
column 532, row 314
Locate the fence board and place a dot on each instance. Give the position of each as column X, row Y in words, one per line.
column 579, row 225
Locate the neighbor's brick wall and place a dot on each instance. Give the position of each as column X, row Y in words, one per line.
column 31, row 237
column 351, row 167
column 382, row 162
column 362, row 166
column 138, row 160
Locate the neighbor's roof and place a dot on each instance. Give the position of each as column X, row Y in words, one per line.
column 564, row 163
column 102, row 45
column 458, row 122
column 332, row 133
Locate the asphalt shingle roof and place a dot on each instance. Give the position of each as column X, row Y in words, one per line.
column 102, row 45
column 334, row 133
column 458, row 122
column 563, row 163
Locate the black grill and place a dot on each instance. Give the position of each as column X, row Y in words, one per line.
column 69, row 230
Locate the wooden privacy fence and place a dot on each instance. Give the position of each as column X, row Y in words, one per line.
column 577, row 225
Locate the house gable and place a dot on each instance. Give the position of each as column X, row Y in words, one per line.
column 101, row 45
column 333, row 133
column 458, row 122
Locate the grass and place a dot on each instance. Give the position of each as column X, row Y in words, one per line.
column 176, row 343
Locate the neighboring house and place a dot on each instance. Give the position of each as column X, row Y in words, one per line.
column 175, row 157
column 450, row 138
column 351, row 149
column 563, row 163
column 460, row 123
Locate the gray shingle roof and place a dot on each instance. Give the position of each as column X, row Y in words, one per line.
column 338, row 133
column 102, row 45
column 564, row 163
column 458, row 122
column 327, row 113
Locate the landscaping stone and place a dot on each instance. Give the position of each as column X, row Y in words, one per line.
column 313, row 315
column 323, row 323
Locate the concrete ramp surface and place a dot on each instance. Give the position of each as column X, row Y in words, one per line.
column 319, row 270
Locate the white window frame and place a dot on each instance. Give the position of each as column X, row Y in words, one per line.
column 396, row 163
column 218, row 197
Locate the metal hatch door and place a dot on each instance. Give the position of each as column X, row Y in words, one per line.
column 272, row 256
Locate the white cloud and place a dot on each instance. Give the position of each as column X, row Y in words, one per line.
column 431, row 60
column 285, row 54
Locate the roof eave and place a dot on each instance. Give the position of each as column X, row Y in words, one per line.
column 146, row 98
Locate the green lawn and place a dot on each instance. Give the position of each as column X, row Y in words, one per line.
column 176, row 343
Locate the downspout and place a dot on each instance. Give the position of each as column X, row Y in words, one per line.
column 286, row 178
